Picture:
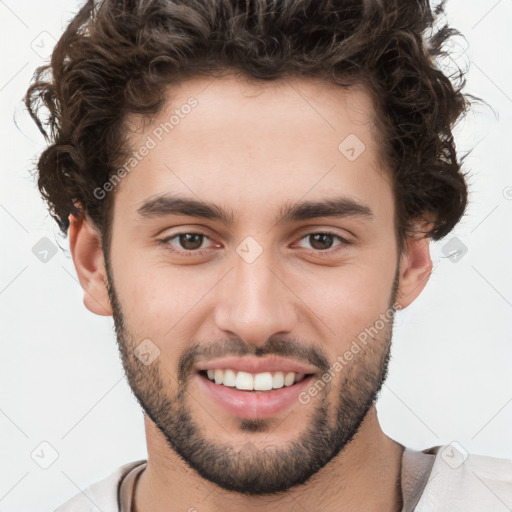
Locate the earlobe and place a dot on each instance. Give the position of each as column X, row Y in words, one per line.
column 86, row 251
column 415, row 270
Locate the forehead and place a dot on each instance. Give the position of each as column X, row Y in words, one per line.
column 257, row 143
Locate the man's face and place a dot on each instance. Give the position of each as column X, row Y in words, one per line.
column 266, row 298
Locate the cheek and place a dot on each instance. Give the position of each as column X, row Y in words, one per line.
column 351, row 298
column 165, row 306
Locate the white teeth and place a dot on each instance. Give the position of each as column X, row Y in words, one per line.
column 289, row 379
column 219, row 376
column 278, row 380
column 229, row 378
column 263, row 381
column 246, row 381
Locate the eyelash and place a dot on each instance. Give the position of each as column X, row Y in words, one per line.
column 198, row 252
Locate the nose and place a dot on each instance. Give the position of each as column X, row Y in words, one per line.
column 254, row 301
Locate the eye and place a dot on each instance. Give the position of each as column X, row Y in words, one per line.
column 190, row 242
column 323, row 241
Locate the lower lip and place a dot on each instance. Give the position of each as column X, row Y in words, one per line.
column 253, row 404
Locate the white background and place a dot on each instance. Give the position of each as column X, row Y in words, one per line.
column 61, row 380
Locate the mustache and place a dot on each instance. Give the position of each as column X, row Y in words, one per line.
column 292, row 349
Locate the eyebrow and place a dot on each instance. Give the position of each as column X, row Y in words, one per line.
column 338, row 207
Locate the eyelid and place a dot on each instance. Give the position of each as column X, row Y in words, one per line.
column 344, row 242
column 347, row 235
column 166, row 242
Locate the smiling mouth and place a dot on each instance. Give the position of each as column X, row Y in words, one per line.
column 245, row 381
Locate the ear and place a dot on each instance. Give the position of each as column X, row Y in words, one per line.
column 415, row 269
column 86, row 250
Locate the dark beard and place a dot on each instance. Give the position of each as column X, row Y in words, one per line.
column 249, row 470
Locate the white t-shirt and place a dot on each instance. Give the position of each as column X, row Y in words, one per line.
column 440, row 479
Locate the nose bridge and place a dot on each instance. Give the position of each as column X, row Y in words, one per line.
column 253, row 302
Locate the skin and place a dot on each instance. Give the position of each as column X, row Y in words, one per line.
column 253, row 149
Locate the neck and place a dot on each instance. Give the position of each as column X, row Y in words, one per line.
column 365, row 476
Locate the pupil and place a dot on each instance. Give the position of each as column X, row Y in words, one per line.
column 187, row 241
column 324, row 239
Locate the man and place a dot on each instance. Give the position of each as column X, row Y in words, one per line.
column 250, row 189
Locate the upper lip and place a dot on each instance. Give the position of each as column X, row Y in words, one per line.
column 253, row 364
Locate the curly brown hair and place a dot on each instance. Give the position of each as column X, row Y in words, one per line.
column 116, row 58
